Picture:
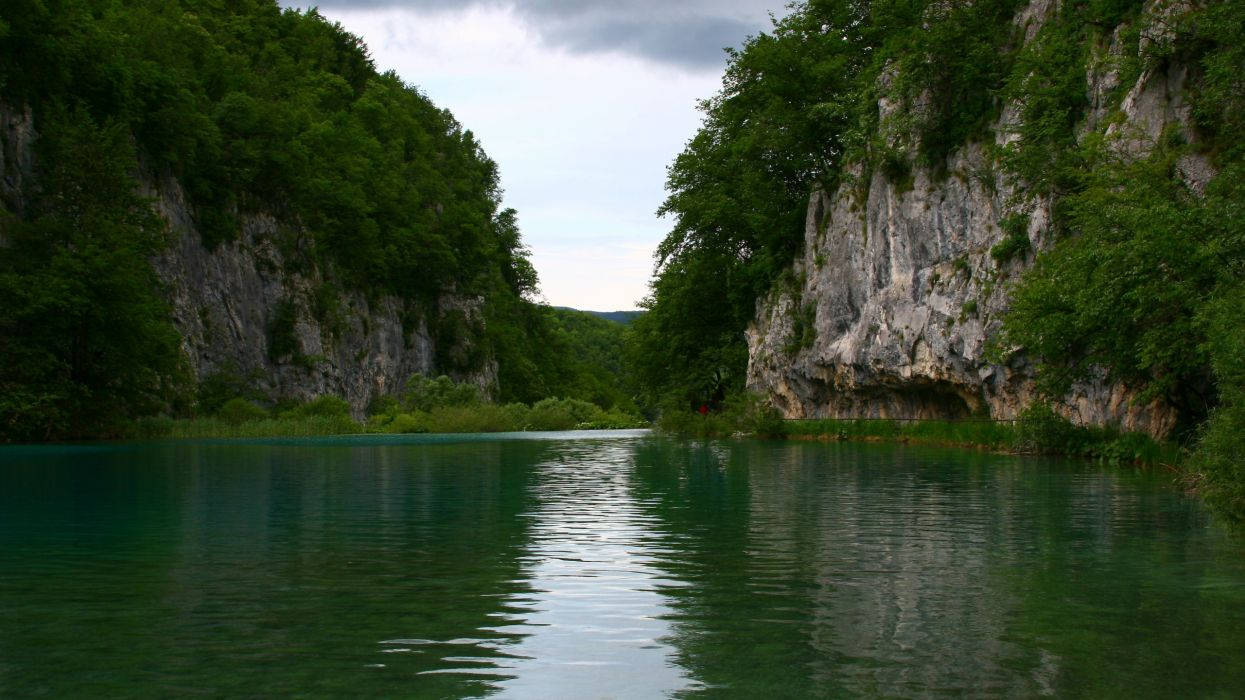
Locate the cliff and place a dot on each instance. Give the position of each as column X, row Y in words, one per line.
column 243, row 309
column 281, row 327
column 888, row 310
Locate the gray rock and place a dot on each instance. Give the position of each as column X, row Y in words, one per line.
column 905, row 295
column 225, row 300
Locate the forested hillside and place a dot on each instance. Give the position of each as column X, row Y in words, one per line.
column 1137, row 276
column 270, row 130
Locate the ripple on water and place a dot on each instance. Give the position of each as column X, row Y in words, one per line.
column 631, row 567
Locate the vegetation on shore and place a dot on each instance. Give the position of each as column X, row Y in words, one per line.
column 1037, row 431
column 437, row 405
column 253, row 110
column 1146, row 276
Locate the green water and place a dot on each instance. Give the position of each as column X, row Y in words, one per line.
column 617, row 565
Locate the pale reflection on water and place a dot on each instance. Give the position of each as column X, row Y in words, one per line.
column 605, row 565
column 591, row 620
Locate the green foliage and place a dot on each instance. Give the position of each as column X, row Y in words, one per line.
column 1126, row 292
column 959, row 433
column 953, row 64
column 326, row 306
column 744, row 414
column 326, row 406
column 1039, row 430
column 1210, row 39
column 227, row 383
column 254, row 110
column 1048, row 82
column 1042, row 431
column 796, row 106
column 1138, row 256
column 442, row 406
column 1015, row 243
column 1217, row 470
column 460, row 347
column 266, row 427
column 282, row 339
column 1137, row 285
column 803, row 328
column 559, row 352
column 425, row 394
column 86, row 340
column 238, row 411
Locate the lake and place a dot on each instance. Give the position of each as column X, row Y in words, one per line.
column 612, row 564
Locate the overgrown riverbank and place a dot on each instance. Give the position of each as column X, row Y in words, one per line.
column 428, row 406
column 1037, row 431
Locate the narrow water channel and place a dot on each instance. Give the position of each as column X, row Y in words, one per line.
column 605, row 565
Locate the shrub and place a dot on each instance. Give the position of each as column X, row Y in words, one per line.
column 238, row 411
column 1041, row 430
column 425, row 394
column 560, row 414
column 408, row 423
column 1016, row 243
column 386, row 406
column 327, row 406
column 747, row 413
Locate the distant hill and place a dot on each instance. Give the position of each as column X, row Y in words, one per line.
column 623, row 317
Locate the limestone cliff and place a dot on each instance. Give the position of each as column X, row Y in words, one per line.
column 243, row 309
column 888, row 310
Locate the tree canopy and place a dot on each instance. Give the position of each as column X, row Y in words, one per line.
column 253, row 109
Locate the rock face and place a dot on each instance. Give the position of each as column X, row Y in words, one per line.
column 242, row 310
column 17, row 137
column 888, row 310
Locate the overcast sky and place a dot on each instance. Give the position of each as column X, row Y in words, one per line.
column 582, row 103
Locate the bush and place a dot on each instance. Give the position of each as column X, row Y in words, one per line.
column 560, row 414
column 1043, row 431
column 386, row 406
column 747, row 413
column 406, row 423
column 327, row 406
column 1218, row 469
column 238, row 411
column 1016, row 243
column 425, row 394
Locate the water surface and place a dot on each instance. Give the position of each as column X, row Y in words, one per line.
column 605, row 565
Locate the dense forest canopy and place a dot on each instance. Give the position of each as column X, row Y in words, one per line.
column 1146, row 277
column 250, row 108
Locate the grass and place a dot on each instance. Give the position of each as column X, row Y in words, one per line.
column 215, row 427
column 1017, row 437
column 515, row 417
column 987, row 434
column 1038, row 431
column 330, row 416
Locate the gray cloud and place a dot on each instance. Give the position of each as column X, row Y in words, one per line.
column 690, row 33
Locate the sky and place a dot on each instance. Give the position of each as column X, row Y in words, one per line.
column 582, row 104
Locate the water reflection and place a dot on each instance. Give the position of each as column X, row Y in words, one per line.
column 624, row 567
column 257, row 569
column 885, row 571
column 590, row 620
